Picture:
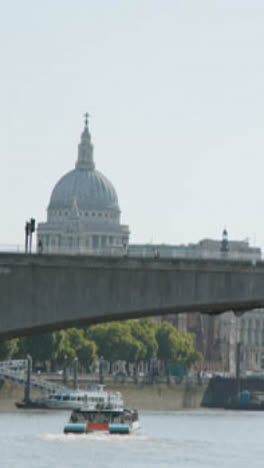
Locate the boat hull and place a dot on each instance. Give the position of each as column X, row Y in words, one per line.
column 78, row 428
column 46, row 404
column 31, row 404
column 123, row 428
column 75, row 429
column 249, row 407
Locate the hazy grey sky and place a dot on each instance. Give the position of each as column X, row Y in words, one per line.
column 175, row 89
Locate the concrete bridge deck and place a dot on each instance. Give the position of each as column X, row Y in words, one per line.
column 40, row 293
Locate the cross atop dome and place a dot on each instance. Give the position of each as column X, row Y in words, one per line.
column 86, row 117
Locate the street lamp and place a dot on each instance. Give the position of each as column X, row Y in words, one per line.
column 30, row 227
column 224, row 248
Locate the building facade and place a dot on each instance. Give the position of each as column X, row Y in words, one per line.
column 83, row 213
column 217, row 336
column 204, row 249
column 251, row 336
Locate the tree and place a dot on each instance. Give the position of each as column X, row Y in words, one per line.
column 7, row 349
column 144, row 330
column 98, row 334
column 115, row 342
column 40, row 347
column 175, row 347
column 87, row 354
column 72, row 343
column 65, row 353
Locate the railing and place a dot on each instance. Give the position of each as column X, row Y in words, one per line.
column 169, row 253
column 195, row 255
column 15, row 364
column 15, row 371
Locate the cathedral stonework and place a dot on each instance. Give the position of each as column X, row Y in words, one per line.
column 83, row 212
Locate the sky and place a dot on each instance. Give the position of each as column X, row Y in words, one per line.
column 175, row 93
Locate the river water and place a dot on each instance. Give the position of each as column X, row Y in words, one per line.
column 201, row 438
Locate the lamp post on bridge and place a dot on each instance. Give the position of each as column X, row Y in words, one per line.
column 224, row 248
column 27, row 229
column 30, row 228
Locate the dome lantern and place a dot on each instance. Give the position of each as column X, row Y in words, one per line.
column 85, row 148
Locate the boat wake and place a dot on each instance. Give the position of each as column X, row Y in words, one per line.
column 102, row 437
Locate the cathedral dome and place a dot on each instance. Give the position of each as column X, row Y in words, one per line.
column 83, row 212
column 87, row 187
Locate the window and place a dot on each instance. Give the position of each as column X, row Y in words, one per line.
column 95, row 242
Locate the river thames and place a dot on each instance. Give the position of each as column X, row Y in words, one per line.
column 201, row 438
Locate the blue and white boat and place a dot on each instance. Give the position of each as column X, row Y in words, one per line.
column 73, row 399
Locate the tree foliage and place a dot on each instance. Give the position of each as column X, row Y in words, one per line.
column 144, row 330
column 176, row 346
column 7, row 349
column 40, row 347
column 131, row 341
column 73, row 343
column 115, row 342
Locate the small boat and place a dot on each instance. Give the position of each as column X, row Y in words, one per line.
column 109, row 416
column 246, row 400
column 70, row 399
column 112, row 420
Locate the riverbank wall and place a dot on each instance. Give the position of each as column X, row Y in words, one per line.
column 161, row 397
column 154, row 397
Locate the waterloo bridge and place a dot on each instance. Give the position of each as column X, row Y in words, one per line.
column 40, row 293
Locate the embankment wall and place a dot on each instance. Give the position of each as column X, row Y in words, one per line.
column 156, row 397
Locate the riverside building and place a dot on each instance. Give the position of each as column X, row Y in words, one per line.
column 217, row 336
